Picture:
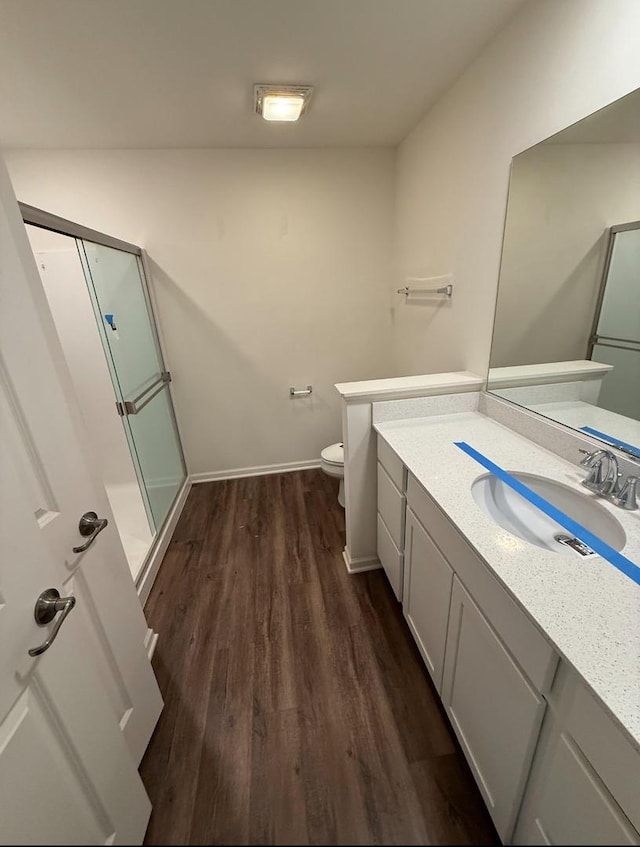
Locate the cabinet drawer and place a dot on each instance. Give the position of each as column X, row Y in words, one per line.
column 390, row 558
column 392, row 464
column 526, row 643
column 391, row 506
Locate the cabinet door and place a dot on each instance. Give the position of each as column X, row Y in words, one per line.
column 566, row 803
column 426, row 595
column 494, row 710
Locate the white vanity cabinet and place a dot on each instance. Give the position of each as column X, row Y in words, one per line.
column 392, row 476
column 552, row 764
column 486, row 659
column 489, row 663
column 585, row 781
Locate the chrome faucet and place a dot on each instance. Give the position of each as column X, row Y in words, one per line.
column 597, row 480
column 609, row 483
column 613, row 480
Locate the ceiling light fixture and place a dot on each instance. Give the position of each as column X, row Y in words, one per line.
column 281, row 102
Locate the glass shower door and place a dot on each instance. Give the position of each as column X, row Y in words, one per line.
column 616, row 339
column 117, row 286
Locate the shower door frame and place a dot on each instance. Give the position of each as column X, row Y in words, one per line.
column 47, row 220
column 593, row 335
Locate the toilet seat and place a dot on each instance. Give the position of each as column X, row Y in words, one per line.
column 333, row 454
column 332, row 463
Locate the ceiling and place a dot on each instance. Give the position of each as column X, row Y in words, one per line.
column 180, row 73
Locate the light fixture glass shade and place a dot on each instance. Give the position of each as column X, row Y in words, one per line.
column 281, row 102
column 281, row 107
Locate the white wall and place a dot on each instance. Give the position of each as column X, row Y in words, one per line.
column 562, row 199
column 271, row 268
column 554, row 63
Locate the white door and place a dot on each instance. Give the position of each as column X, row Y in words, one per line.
column 66, row 775
column 75, row 721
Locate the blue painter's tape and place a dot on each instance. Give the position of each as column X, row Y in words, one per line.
column 600, row 547
column 615, row 442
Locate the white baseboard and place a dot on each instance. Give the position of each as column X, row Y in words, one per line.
column 257, row 470
column 150, row 569
column 359, row 565
column 150, row 641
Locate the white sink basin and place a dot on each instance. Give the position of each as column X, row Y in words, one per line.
column 522, row 519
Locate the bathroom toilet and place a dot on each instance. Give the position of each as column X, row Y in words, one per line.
column 332, row 463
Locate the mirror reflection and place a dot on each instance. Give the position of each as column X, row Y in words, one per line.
column 566, row 340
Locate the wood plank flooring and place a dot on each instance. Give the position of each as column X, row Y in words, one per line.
column 297, row 708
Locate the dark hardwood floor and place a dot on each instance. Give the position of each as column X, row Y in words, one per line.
column 297, row 708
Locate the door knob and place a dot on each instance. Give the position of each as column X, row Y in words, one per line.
column 48, row 604
column 90, row 525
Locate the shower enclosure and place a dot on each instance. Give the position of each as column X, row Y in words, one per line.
column 120, row 298
column 97, row 289
column 615, row 338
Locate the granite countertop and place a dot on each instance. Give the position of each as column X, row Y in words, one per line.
column 578, row 413
column 587, row 609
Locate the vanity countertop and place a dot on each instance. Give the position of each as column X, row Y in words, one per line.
column 588, row 609
column 578, row 413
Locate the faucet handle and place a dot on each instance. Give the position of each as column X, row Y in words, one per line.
column 627, row 497
column 596, row 477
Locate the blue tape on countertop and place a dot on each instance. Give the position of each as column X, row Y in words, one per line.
column 600, row 547
column 615, row 442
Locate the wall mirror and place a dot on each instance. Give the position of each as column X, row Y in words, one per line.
column 566, row 339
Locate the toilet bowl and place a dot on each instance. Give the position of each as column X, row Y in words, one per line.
column 332, row 463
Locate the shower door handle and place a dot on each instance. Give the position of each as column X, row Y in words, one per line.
column 90, row 525
column 132, row 407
